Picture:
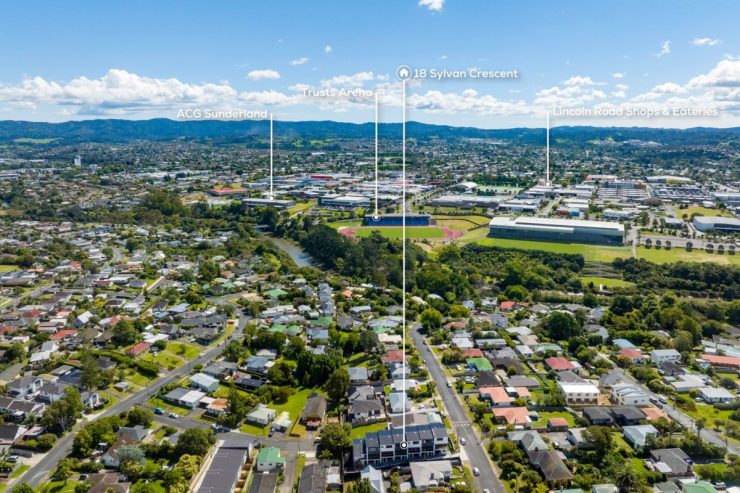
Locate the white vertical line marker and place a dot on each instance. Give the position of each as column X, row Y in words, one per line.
column 272, row 194
column 376, row 154
column 547, row 138
column 403, row 246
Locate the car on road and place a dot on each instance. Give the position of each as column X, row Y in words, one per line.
column 158, row 410
column 462, row 441
column 174, row 415
column 449, row 385
column 486, row 490
column 662, row 399
column 476, row 471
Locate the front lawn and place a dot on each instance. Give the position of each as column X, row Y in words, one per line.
column 183, row 349
column 546, row 415
column 361, row 431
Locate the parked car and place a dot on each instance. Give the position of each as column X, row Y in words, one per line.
column 462, row 441
column 476, row 471
column 174, row 415
column 158, row 410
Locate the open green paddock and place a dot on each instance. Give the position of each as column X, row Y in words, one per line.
column 596, row 253
column 664, row 256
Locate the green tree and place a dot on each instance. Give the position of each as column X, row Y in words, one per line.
column 431, row 319
column 561, row 326
column 65, row 469
column 22, row 488
column 63, row 413
column 91, row 377
column 362, row 486
column 683, row 342
column 336, row 438
column 125, row 333
column 338, row 385
column 138, row 415
column 195, row 441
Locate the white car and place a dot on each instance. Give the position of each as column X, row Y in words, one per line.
column 462, row 441
column 476, row 471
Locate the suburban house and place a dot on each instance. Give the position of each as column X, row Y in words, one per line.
column 260, row 415
column 313, row 412
column 204, row 382
column 138, row 349
column 25, row 386
column 269, row 459
column 673, row 462
column 664, row 356
column 579, row 392
column 184, row 397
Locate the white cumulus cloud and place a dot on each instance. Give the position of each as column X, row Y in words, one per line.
column 433, row 5
column 665, row 49
column 266, row 74
column 705, row 42
column 299, row 61
column 328, row 49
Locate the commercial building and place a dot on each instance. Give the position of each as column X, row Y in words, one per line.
column 465, row 201
column 276, row 203
column 385, row 447
column 344, row 201
column 563, row 230
column 717, row 223
column 397, row 220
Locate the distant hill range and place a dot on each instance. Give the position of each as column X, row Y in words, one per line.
column 163, row 129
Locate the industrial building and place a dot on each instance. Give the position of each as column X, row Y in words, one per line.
column 397, row 220
column 717, row 223
column 564, row 230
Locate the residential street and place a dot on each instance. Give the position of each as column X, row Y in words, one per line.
column 679, row 416
column 476, row 452
column 38, row 473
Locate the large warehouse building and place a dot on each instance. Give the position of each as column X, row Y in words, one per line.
column 717, row 223
column 564, row 230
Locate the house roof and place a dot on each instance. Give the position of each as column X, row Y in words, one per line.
column 558, row 363
column 549, row 463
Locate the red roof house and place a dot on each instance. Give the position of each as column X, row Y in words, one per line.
column 138, row 349
column 558, row 363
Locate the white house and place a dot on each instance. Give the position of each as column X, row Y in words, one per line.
column 715, row 394
column 399, row 402
column 204, row 382
column 664, row 355
column 579, row 392
column 24, row 386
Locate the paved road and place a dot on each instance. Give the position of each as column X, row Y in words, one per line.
column 475, row 451
column 678, row 415
column 284, row 444
column 38, row 473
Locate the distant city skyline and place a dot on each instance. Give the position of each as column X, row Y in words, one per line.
column 679, row 61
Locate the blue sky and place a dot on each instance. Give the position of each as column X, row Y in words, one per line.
column 136, row 59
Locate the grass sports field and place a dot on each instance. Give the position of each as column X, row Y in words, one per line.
column 412, row 233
